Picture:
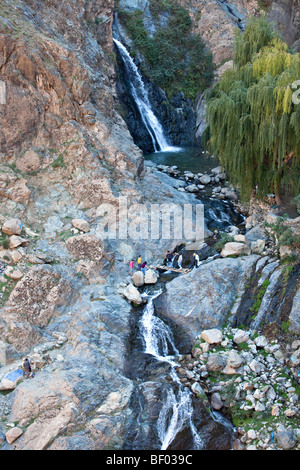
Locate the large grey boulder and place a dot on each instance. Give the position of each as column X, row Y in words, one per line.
column 235, row 249
column 256, row 233
column 203, row 298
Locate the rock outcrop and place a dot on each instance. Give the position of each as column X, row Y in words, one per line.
column 211, row 291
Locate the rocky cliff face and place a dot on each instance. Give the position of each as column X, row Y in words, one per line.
column 216, row 22
column 286, row 15
column 64, row 150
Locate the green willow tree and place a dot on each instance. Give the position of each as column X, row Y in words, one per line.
column 253, row 123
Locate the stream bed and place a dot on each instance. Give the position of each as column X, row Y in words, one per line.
column 166, row 415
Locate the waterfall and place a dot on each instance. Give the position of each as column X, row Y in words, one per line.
column 141, row 99
column 177, row 410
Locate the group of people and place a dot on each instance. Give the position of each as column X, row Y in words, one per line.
column 28, row 368
column 168, row 261
column 170, row 258
column 142, row 265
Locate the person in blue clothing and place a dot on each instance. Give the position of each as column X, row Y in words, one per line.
column 169, row 258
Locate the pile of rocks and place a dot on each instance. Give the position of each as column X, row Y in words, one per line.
column 215, row 181
column 150, row 277
column 130, row 290
column 251, row 379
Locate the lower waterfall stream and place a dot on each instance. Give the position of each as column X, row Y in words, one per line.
column 165, row 413
column 177, row 409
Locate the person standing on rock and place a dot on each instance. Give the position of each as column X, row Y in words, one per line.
column 144, row 267
column 131, row 266
column 169, row 257
column 179, row 261
column 26, row 368
column 32, row 368
column 139, row 262
column 196, row 260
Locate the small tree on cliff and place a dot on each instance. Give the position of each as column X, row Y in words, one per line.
column 253, row 123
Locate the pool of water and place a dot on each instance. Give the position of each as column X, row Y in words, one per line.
column 186, row 159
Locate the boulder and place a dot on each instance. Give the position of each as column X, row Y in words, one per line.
column 201, row 299
column 12, row 227
column 193, row 188
column 255, row 366
column 82, row 225
column 33, row 302
column 189, row 175
column 256, row 233
column 12, row 273
column 16, row 241
column 10, row 381
column 286, row 439
column 217, row 170
column 258, row 246
column 197, row 389
column 241, row 336
column 17, row 255
column 234, row 360
column 205, row 179
column 30, row 161
column 86, row 246
column 132, row 294
column 240, row 238
column 261, row 341
column 216, row 401
column 138, row 278
column 13, row 434
column 235, row 249
column 212, row 336
column 215, row 362
column 151, row 277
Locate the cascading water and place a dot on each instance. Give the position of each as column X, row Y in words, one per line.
column 177, row 410
column 141, row 99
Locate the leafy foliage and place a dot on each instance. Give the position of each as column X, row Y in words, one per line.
column 253, row 124
column 176, row 59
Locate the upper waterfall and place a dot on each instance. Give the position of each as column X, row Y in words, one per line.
column 140, row 96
